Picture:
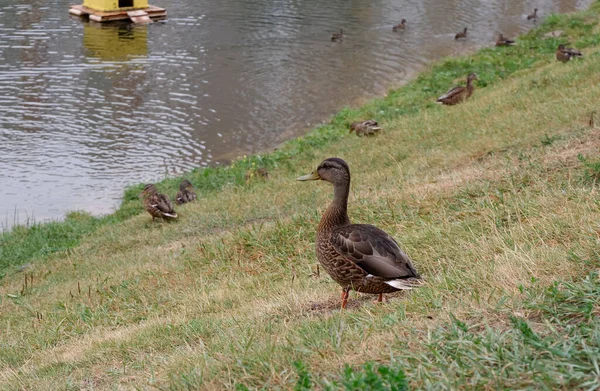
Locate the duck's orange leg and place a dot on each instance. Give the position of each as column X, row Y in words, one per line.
column 380, row 299
column 345, row 294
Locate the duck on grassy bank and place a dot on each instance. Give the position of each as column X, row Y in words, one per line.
column 564, row 54
column 186, row 193
column 501, row 41
column 359, row 257
column 459, row 93
column 157, row 204
column 365, row 128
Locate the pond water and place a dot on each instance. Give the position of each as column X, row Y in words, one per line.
column 86, row 110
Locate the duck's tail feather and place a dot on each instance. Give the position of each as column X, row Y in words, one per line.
column 406, row 283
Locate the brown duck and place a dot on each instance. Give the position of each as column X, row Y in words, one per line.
column 365, row 128
column 361, row 257
column 400, row 26
column 533, row 15
column 462, row 34
column 186, row 193
column 260, row 172
column 337, row 36
column 458, row 93
column 501, row 41
column 564, row 54
column 157, row 204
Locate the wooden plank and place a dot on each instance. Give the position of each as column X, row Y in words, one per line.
column 108, row 16
column 139, row 17
column 75, row 11
column 135, row 13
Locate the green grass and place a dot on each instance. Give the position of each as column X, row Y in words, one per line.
column 495, row 200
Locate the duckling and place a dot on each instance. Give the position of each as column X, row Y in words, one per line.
column 365, row 128
column 186, row 193
column 462, row 34
column 564, row 54
column 533, row 15
column 157, row 204
column 501, row 41
column 459, row 93
column 400, row 26
column 260, row 172
column 337, row 36
column 359, row 257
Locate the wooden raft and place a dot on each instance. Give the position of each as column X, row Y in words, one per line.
column 137, row 16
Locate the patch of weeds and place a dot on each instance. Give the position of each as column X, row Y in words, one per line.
column 555, row 347
column 189, row 380
column 591, row 169
column 369, row 377
column 568, row 302
column 549, row 140
column 304, row 378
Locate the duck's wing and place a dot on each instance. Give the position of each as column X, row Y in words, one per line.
column 164, row 205
column 190, row 196
column 452, row 92
column 179, row 199
column 572, row 52
column 374, row 251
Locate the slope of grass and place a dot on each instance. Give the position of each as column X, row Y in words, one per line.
column 27, row 244
column 495, row 200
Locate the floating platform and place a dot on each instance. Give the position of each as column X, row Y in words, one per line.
column 137, row 16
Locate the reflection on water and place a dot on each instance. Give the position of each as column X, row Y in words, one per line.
column 87, row 109
column 115, row 42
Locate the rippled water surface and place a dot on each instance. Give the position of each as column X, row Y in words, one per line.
column 87, row 109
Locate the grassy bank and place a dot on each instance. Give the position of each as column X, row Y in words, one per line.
column 495, row 200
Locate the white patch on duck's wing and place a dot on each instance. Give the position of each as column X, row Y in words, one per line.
column 450, row 92
column 404, row 284
column 173, row 215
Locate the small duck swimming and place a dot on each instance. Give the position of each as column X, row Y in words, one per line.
column 462, row 34
column 400, row 26
column 337, row 36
